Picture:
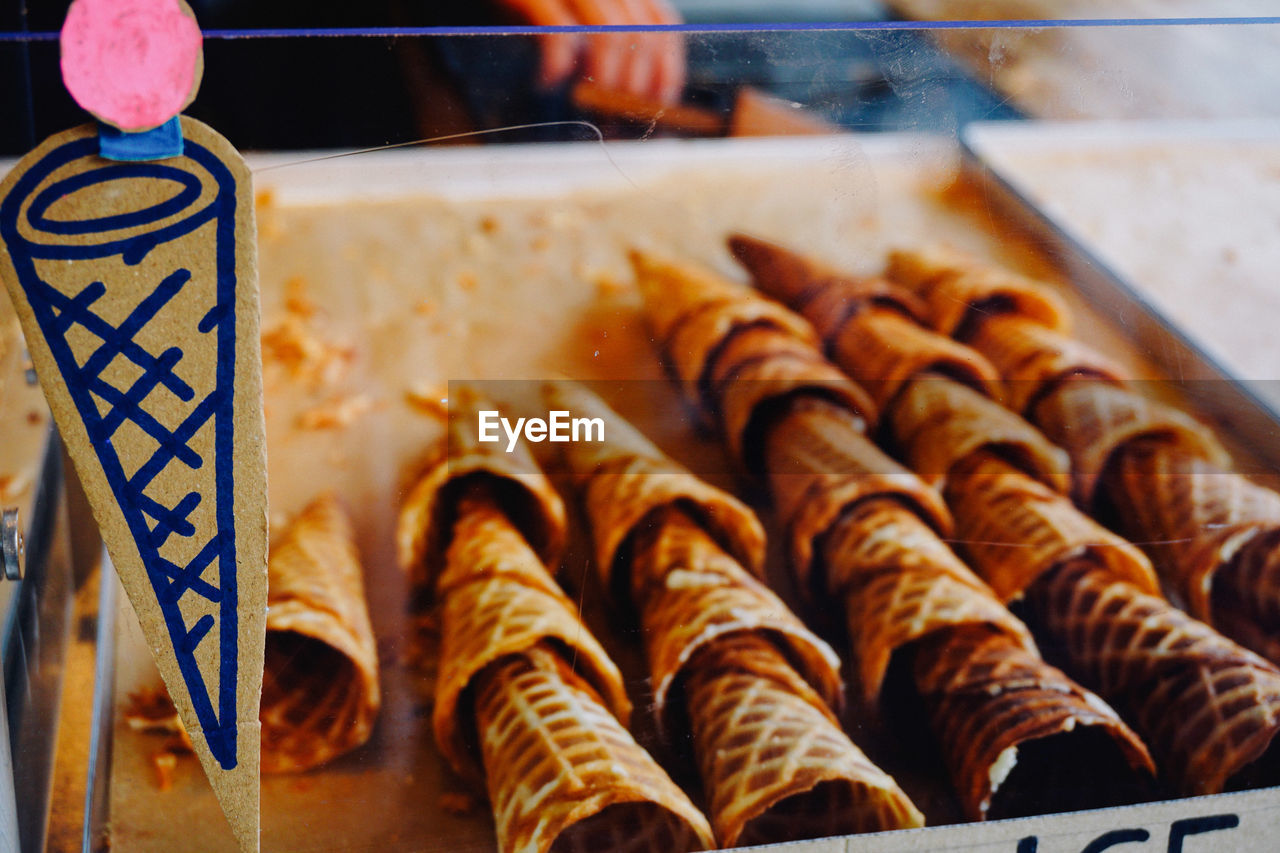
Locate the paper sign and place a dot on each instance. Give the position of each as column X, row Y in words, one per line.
column 133, row 64
column 136, row 285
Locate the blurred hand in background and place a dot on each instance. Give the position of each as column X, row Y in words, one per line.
column 647, row 65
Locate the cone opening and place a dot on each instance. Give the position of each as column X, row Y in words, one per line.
column 638, row 827
column 835, row 807
column 309, row 689
column 1084, row 768
column 519, row 504
column 1263, row 771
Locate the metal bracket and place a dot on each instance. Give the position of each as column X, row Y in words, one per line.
column 11, row 545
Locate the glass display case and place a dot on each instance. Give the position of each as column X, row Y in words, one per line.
column 432, row 225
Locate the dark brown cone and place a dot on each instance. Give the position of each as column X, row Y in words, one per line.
column 991, row 701
column 1207, row 707
column 1211, row 532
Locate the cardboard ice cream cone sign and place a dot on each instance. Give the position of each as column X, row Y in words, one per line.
column 136, row 285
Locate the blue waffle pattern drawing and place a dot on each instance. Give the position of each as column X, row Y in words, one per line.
column 120, row 378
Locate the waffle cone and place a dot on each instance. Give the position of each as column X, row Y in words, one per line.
column 1034, row 358
column 1092, row 421
column 963, row 291
column 1198, row 518
column 938, row 423
column 426, row 516
column 760, row 387
column 820, row 465
column 825, row 296
column 1246, row 595
column 900, row 583
column 499, row 600
column 692, row 595
column 692, row 311
column 626, row 478
column 1014, row 529
column 773, row 760
column 1207, row 707
column 320, row 690
column 882, row 350
column 992, row 700
column 561, row 771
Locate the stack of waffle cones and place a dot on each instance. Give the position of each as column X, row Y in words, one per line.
column 526, row 698
column 1157, row 475
column 1206, row 706
column 797, row 427
column 731, row 667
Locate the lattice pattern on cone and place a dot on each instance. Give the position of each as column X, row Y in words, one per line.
column 939, row 422
column 764, row 381
column 425, row 523
column 773, row 757
column 1207, row 707
column 562, row 772
column 819, row 465
column 692, row 595
column 1193, row 515
column 992, row 701
column 1033, row 358
column 1093, row 421
column 882, row 350
column 963, row 291
column 626, row 477
column 825, row 296
column 499, row 600
column 691, row 310
column 1246, row 596
column 899, row 582
column 320, row 691
column 1013, row 529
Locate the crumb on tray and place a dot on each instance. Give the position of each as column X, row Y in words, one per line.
column 165, row 764
column 335, row 414
column 292, row 344
column 430, row 400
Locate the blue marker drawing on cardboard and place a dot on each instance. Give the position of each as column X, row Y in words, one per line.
column 126, row 372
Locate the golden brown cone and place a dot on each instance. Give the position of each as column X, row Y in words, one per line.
column 882, row 350
column 988, row 695
column 692, row 311
column 691, row 594
column 963, row 291
column 320, row 691
column 772, row 756
column 1093, row 420
column 761, row 385
column 626, row 477
column 899, row 583
column 1207, row 707
column 938, row 422
column 1033, row 358
column 1199, row 523
column 820, row 465
column 499, row 600
column 563, row 774
column 1014, row 529
column 425, row 522
column 1246, row 595
column 825, row 296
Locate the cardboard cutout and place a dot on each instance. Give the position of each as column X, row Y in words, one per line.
column 136, row 285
